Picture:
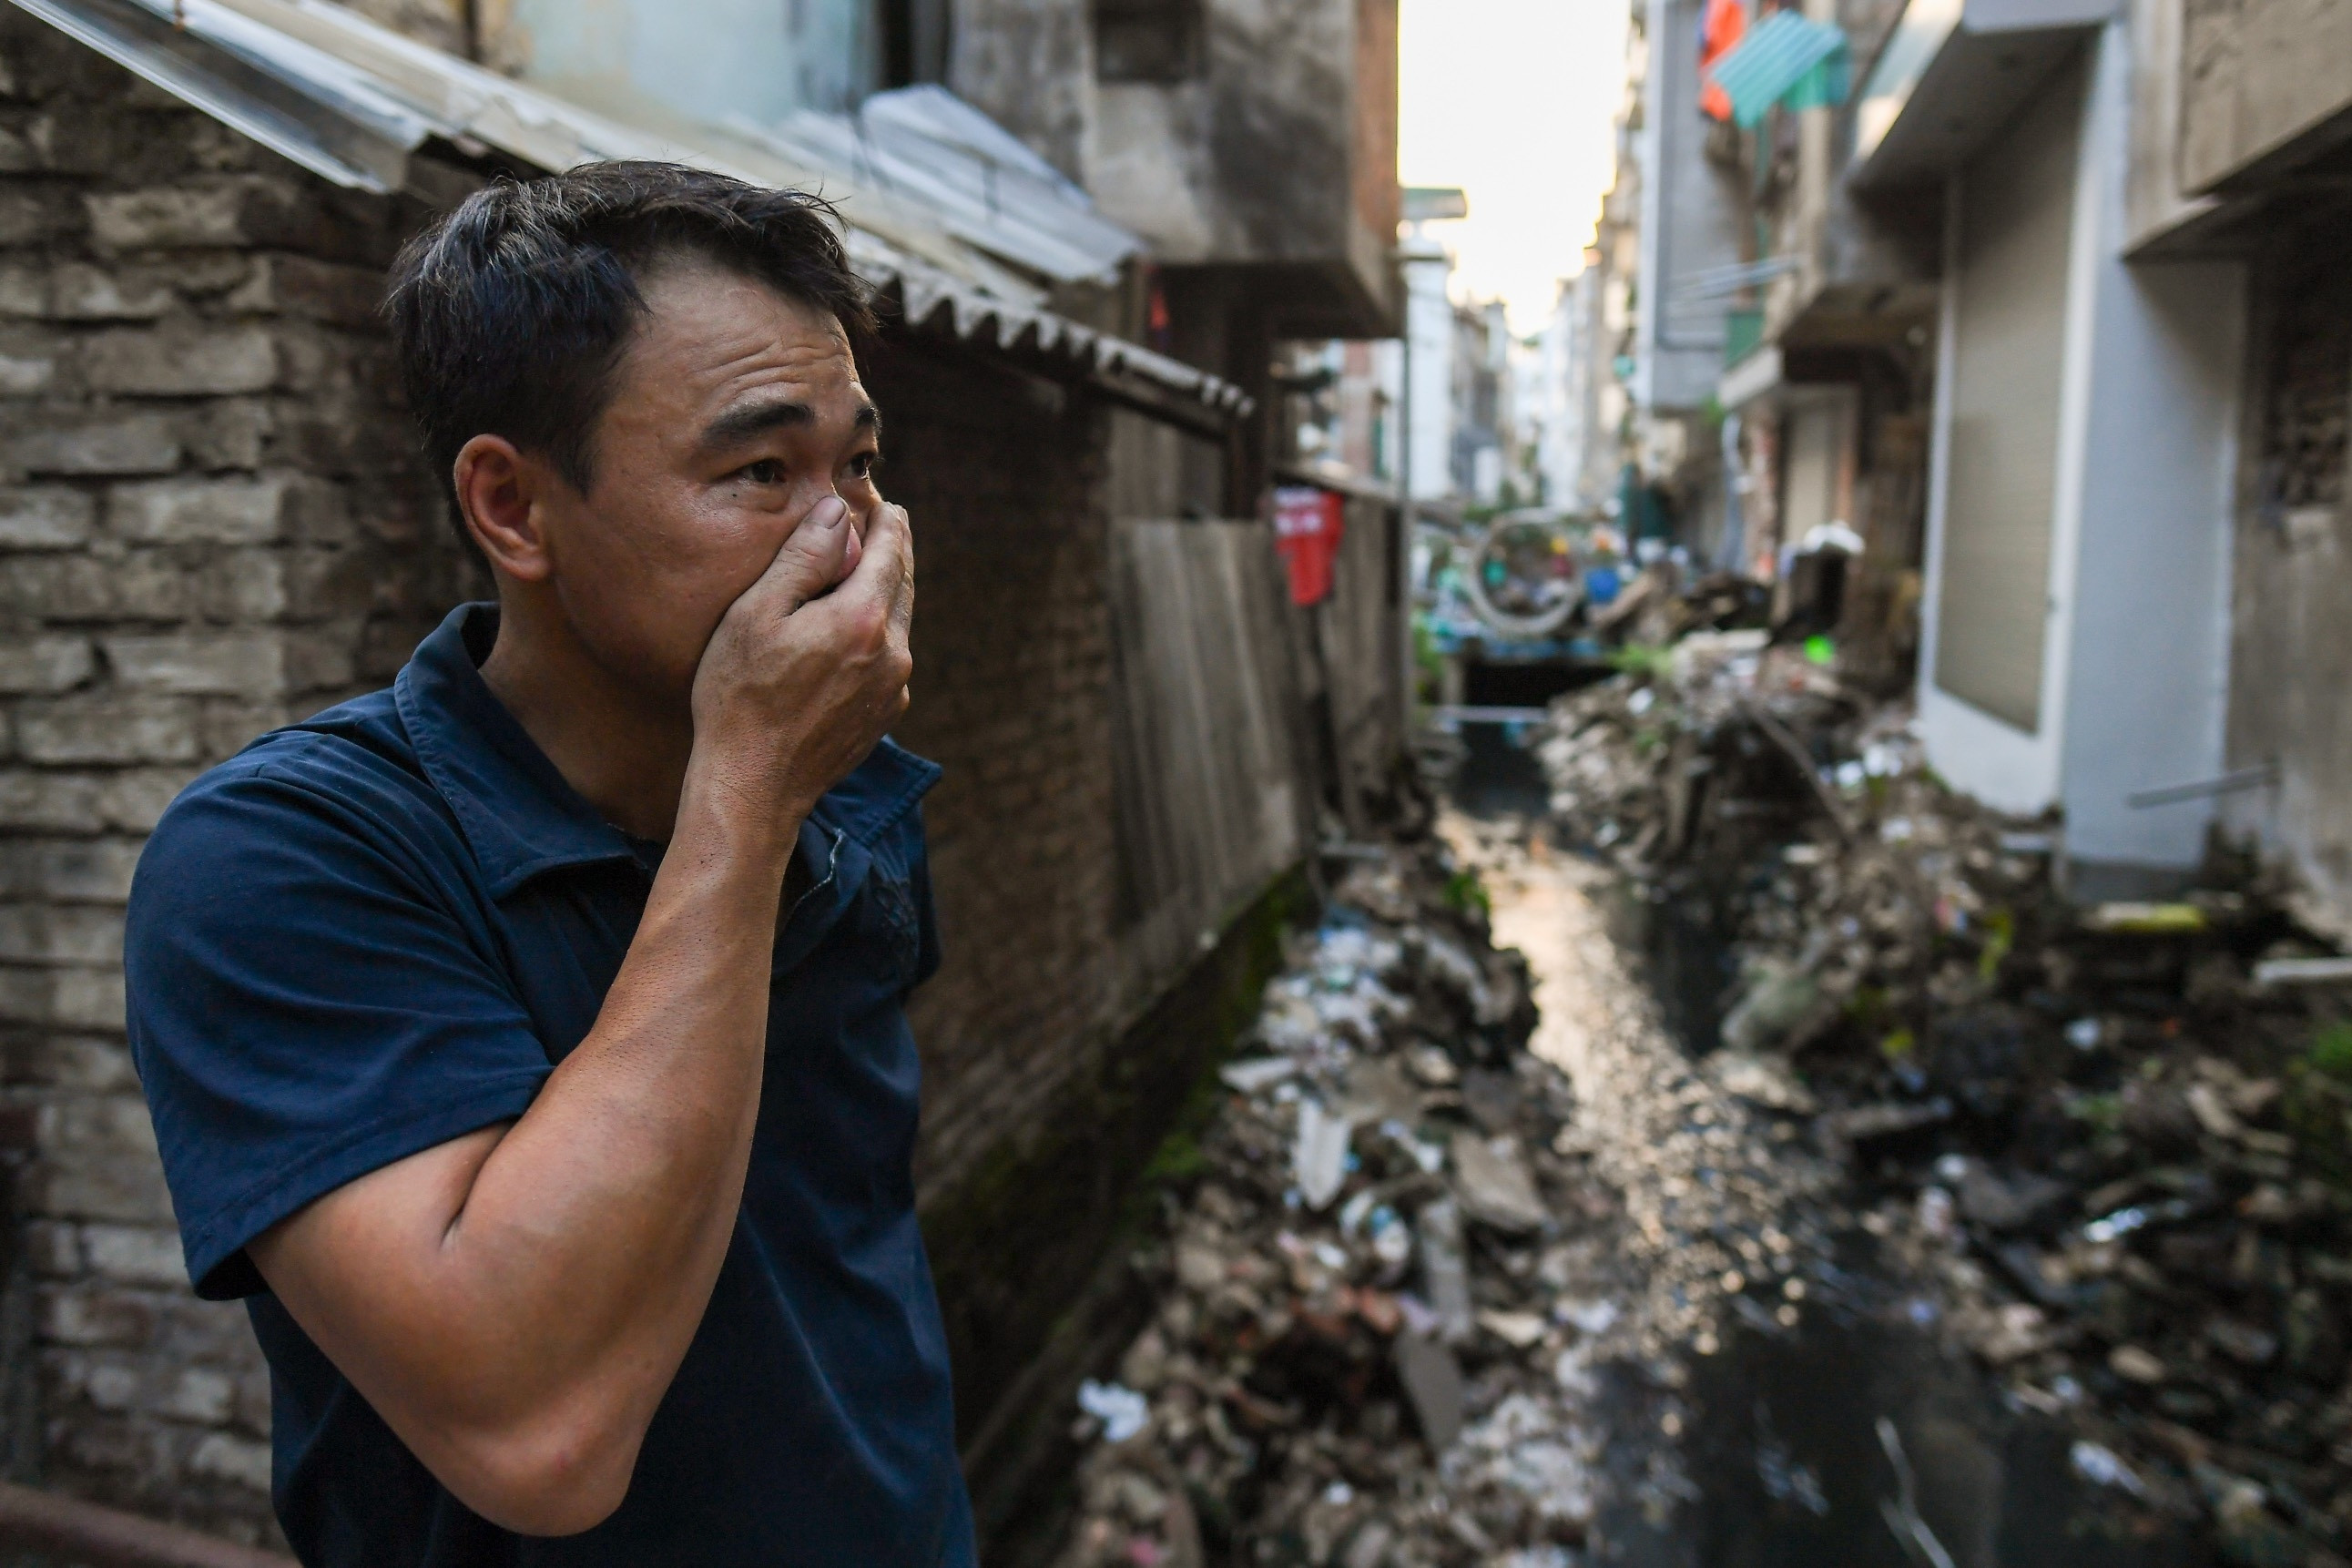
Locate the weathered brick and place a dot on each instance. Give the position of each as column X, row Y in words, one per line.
column 132, row 799
column 92, row 441
column 221, row 1458
column 45, row 664
column 26, row 373
column 228, row 511
column 104, row 728
column 135, row 1255
column 24, row 995
column 249, row 583
column 215, row 1333
column 202, row 1395
column 42, row 801
column 87, row 998
column 52, row 1249
column 81, row 292
column 253, row 1400
column 83, row 1315
column 321, row 660
column 229, row 212
column 229, row 726
column 145, row 585
column 45, row 517
column 87, row 1063
column 299, row 285
column 23, row 290
column 182, row 362
column 96, row 1184
column 122, row 1453
column 68, row 870
column 28, row 216
column 111, row 1383
column 70, row 136
column 65, row 934
column 211, row 663
column 231, row 433
column 114, row 1124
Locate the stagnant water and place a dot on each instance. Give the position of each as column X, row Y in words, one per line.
column 1783, row 1436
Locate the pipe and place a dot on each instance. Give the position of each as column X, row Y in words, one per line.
column 101, row 1537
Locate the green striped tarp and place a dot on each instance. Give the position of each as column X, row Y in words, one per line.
column 1784, row 59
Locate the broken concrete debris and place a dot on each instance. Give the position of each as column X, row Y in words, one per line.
column 1365, row 1350
column 2106, row 1148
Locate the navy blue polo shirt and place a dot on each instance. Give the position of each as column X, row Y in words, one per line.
column 373, row 931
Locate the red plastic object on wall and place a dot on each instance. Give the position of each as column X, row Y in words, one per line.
column 1308, row 523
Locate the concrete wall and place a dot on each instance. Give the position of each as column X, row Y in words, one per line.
column 2264, row 82
column 1191, row 163
column 2149, row 677
column 1691, row 219
column 2291, row 661
column 1030, row 65
column 701, row 59
column 2135, row 663
column 1428, row 409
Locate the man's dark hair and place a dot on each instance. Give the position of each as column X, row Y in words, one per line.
column 510, row 311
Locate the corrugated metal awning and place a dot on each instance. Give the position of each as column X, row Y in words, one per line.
column 351, row 102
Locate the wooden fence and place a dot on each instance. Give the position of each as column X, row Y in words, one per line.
column 1238, row 718
column 1212, row 784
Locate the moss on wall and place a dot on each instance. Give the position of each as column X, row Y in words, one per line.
column 1030, row 1250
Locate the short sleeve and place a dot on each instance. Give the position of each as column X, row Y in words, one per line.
column 314, row 991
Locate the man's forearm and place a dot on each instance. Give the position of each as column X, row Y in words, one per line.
column 529, row 1307
column 606, row 1212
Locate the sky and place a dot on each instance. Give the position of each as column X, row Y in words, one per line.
column 1513, row 100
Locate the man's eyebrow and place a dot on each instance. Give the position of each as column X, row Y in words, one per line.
column 741, row 425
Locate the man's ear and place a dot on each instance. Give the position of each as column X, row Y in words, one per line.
column 501, row 491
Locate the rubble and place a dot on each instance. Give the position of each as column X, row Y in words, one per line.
column 1379, row 1301
column 2107, row 1149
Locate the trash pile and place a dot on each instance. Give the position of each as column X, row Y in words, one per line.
column 2105, row 1147
column 1378, row 1313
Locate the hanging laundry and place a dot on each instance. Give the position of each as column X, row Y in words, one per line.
column 1787, row 60
column 1308, row 523
column 1725, row 25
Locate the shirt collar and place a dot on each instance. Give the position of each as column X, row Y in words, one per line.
column 519, row 815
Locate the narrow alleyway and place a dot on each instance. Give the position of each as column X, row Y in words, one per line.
column 1453, row 1279
column 1797, row 1372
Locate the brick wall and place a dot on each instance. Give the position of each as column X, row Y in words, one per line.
column 210, row 521
column 1001, row 472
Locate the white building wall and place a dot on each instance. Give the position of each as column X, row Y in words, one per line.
column 1558, row 415
column 2136, row 664
column 1429, row 332
column 1690, row 223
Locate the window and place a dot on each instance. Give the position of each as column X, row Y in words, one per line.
column 1147, row 40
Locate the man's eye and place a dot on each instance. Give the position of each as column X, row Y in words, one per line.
column 766, row 471
column 863, row 465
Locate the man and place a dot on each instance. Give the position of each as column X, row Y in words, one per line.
column 525, row 1043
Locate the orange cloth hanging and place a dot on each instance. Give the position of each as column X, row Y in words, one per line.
column 1725, row 25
